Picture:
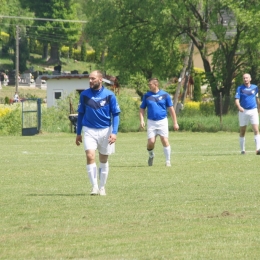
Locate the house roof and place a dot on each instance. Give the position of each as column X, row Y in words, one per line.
column 65, row 76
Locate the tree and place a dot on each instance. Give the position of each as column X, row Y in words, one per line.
column 226, row 24
column 141, row 36
column 133, row 37
column 197, row 88
column 83, row 51
column 54, row 33
column 13, row 8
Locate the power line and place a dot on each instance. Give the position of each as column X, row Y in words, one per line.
column 42, row 19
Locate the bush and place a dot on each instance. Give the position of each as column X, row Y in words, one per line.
column 7, row 100
column 129, row 116
column 198, row 108
column 139, row 83
column 55, row 119
column 11, row 122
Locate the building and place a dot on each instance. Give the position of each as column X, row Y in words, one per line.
column 60, row 86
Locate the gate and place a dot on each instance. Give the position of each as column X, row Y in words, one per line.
column 31, row 116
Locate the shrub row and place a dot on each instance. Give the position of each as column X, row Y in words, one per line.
column 196, row 117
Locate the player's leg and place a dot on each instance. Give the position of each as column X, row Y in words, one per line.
column 163, row 131
column 90, row 145
column 243, row 122
column 105, row 149
column 254, row 120
column 166, row 150
column 151, row 139
column 103, row 173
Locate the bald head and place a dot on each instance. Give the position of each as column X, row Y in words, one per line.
column 247, row 79
column 95, row 79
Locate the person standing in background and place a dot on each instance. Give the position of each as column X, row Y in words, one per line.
column 247, row 103
column 157, row 103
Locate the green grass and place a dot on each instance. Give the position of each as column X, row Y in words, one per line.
column 206, row 206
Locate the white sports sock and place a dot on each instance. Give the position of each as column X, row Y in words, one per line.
column 151, row 153
column 103, row 174
column 92, row 174
column 242, row 142
column 167, row 152
column 257, row 142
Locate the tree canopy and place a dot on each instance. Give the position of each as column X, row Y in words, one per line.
column 55, row 33
column 143, row 36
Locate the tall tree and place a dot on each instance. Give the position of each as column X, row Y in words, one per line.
column 132, row 35
column 140, row 36
column 221, row 22
column 55, row 33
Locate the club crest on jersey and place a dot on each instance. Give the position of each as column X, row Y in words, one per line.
column 160, row 98
column 102, row 103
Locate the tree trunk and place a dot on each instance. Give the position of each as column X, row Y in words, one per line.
column 54, row 55
column 45, row 51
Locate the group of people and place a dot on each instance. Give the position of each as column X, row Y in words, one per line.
column 98, row 122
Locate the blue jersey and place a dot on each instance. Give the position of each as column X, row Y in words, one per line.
column 157, row 104
column 247, row 96
column 97, row 108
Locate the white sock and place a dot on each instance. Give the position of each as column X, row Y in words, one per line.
column 242, row 142
column 151, row 153
column 103, row 174
column 257, row 142
column 167, row 152
column 92, row 174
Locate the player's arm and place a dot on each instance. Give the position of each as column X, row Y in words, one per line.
column 257, row 103
column 79, row 128
column 174, row 118
column 115, row 125
column 141, row 116
column 237, row 103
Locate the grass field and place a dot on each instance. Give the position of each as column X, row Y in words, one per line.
column 206, row 206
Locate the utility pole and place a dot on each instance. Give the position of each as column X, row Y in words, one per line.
column 17, row 59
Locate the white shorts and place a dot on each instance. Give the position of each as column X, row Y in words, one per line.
column 155, row 128
column 97, row 139
column 247, row 116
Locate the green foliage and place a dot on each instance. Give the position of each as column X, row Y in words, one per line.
column 83, row 52
column 210, row 124
column 55, row 119
column 139, row 83
column 7, row 100
column 11, row 123
column 151, row 46
column 129, row 116
column 197, row 88
column 55, row 33
column 171, row 89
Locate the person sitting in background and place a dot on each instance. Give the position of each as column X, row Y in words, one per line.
column 16, row 97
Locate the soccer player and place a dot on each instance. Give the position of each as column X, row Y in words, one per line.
column 157, row 102
column 246, row 100
column 98, row 119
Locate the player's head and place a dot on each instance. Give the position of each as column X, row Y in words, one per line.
column 246, row 78
column 153, row 84
column 95, row 79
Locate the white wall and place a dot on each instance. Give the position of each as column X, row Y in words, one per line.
column 64, row 86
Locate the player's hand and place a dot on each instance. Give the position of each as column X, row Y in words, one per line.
column 241, row 109
column 112, row 139
column 176, row 127
column 78, row 139
column 142, row 124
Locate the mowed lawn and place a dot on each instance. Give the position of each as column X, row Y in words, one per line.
column 206, row 206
